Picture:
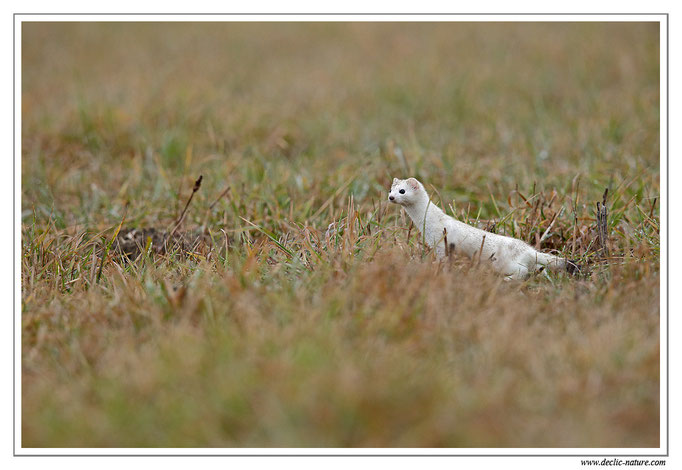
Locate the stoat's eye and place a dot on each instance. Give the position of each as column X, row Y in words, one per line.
column 402, row 191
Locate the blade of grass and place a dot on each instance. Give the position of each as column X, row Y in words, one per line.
column 108, row 247
column 271, row 237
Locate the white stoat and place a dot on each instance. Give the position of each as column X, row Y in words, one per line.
column 510, row 257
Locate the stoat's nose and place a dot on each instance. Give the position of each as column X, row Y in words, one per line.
column 391, row 198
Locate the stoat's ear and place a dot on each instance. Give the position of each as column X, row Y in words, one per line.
column 395, row 181
column 413, row 183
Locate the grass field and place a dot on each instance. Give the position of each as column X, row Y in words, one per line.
column 277, row 331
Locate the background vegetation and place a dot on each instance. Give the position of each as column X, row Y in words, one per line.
column 278, row 329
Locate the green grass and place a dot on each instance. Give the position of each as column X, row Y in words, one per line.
column 284, row 333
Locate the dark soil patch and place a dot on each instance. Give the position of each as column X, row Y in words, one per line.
column 131, row 242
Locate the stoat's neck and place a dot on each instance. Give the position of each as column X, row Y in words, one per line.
column 424, row 213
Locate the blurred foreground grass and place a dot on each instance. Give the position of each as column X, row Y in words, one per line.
column 284, row 333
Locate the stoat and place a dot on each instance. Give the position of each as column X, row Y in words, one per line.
column 512, row 258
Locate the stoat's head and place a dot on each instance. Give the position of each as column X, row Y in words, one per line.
column 405, row 192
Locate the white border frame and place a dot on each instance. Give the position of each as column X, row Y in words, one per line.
column 595, row 453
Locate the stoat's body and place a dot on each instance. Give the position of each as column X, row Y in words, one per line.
column 510, row 257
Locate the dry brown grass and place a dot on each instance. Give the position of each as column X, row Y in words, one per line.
column 273, row 334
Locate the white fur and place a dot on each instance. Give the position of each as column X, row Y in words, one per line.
column 509, row 256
